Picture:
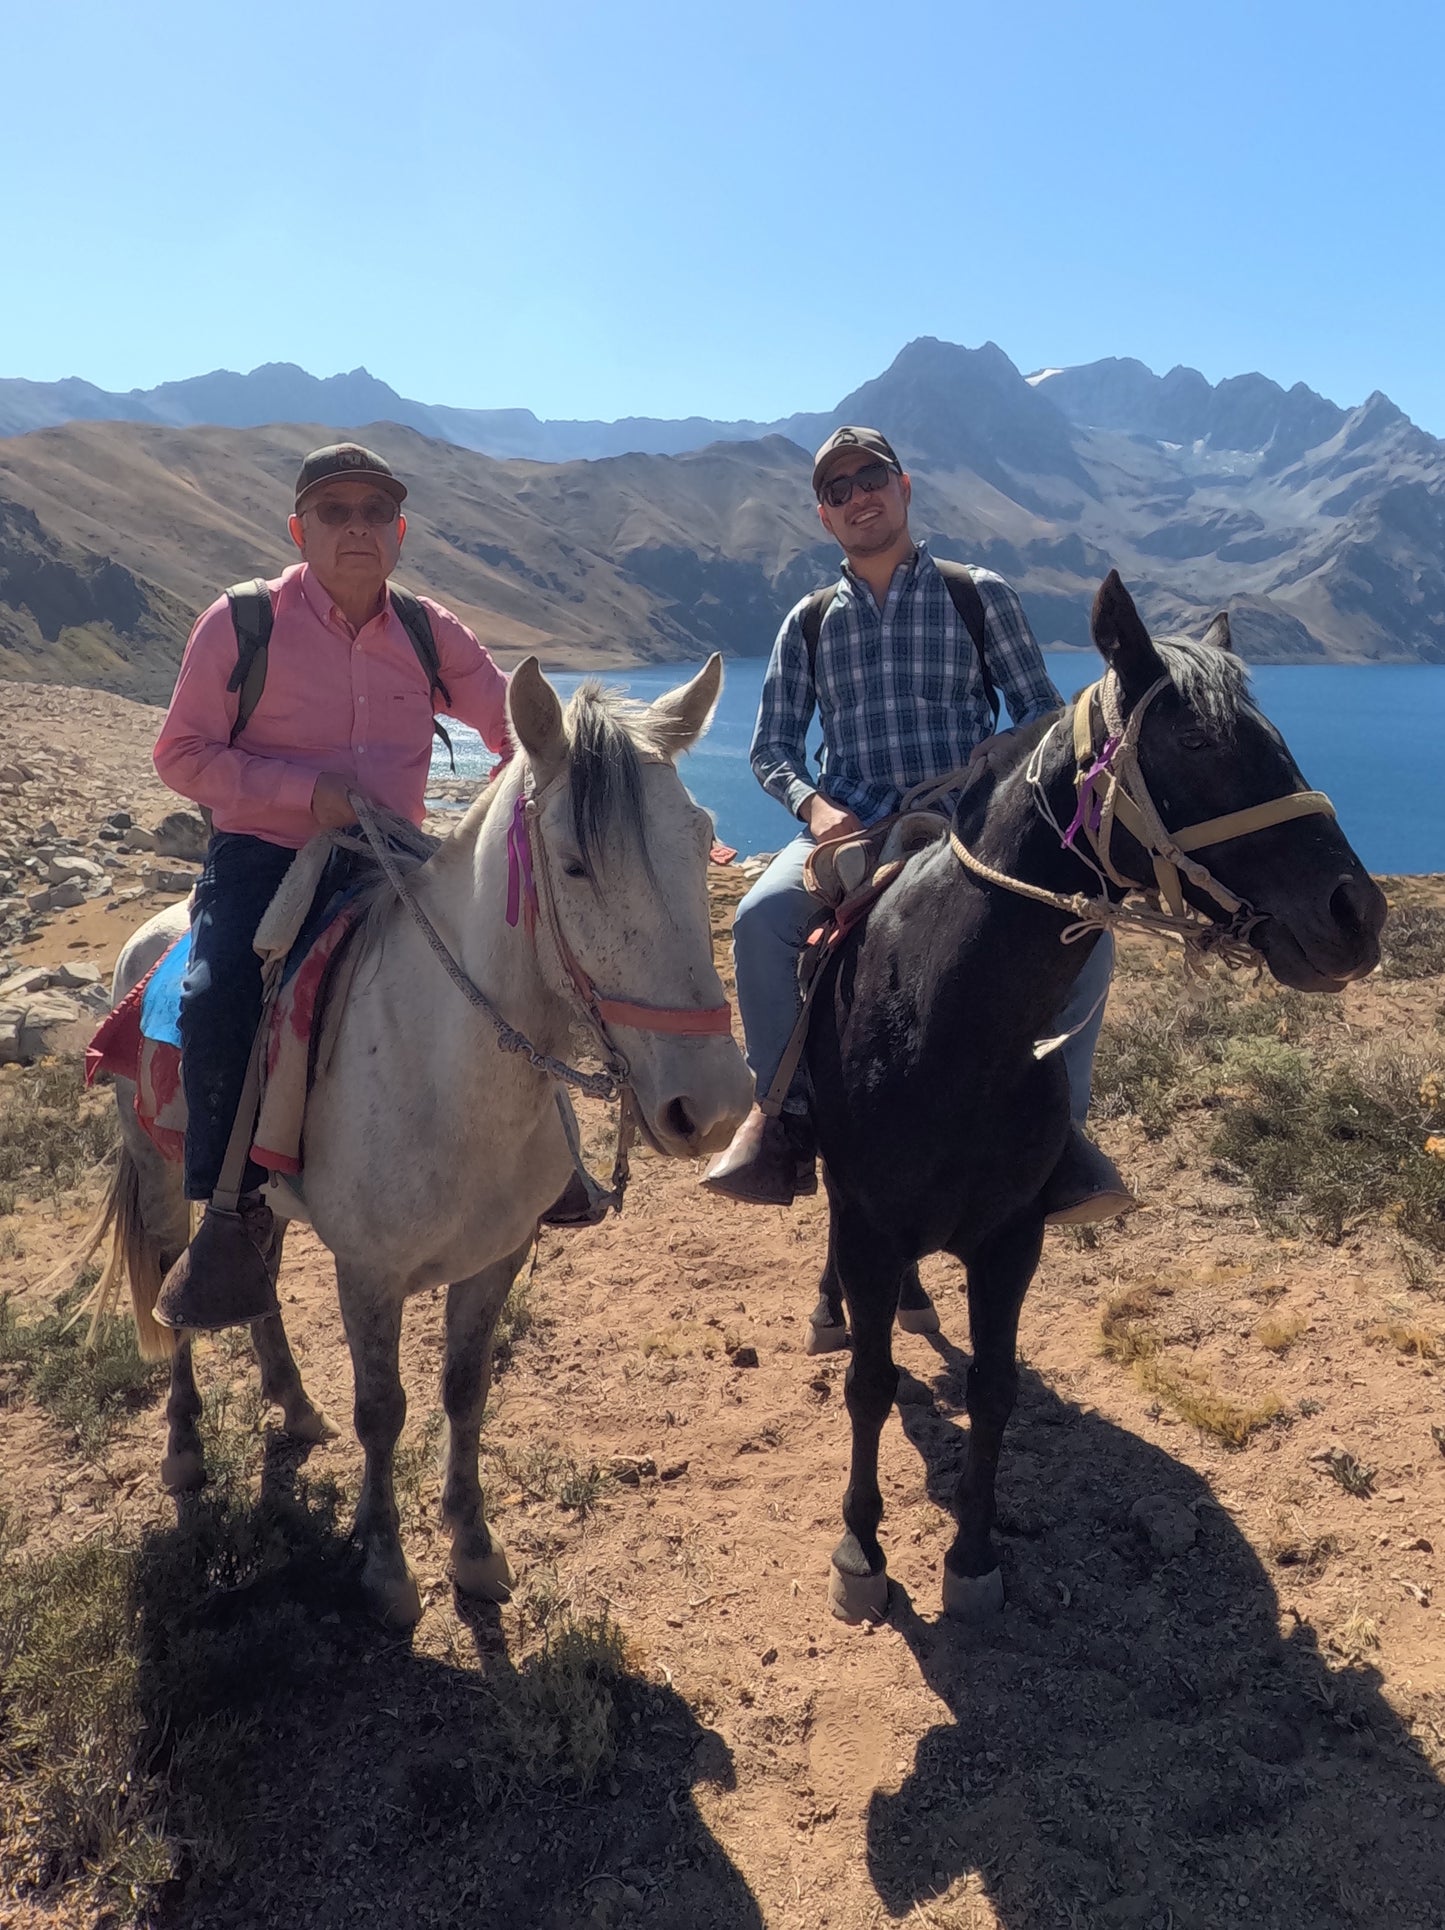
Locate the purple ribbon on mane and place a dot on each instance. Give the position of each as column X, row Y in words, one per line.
column 1091, row 808
column 519, row 868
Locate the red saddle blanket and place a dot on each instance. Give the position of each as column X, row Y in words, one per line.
column 138, row 1040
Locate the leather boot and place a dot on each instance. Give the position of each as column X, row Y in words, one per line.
column 1085, row 1186
column 571, row 1207
column 770, row 1162
column 224, row 1277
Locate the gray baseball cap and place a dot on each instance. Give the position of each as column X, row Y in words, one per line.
column 848, row 441
column 347, row 462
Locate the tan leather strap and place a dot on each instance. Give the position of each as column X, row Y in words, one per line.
column 1257, row 817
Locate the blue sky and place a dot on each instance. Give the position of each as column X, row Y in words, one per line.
column 735, row 210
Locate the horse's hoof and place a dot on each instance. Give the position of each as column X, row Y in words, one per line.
column 393, row 1599
column 858, row 1598
column 308, row 1424
column 918, row 1320
column 488, row 1576
column 825, row 1340
column 972, row 1598
column 184, row 1472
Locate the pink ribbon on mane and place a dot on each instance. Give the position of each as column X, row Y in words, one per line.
column 1091, row 808
column 519, row 869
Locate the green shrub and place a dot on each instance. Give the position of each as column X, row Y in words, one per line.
column 87, row 1387
column 1412, row 944
column 1338, row 1142
column 52, row 1131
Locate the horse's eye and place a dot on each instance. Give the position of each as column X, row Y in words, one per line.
column 1193, row 740
column 574, row 868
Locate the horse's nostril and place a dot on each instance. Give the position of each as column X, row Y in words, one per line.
column 1357, row 907
column 679, row 1121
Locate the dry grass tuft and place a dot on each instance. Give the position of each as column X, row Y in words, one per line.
column 1131, row 1342
column 1356, row 1635
column 1406, row 1337
column 1280, row 1331
column 1412, row 944
column 52, row 1131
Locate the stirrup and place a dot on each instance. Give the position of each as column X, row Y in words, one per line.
column 223, row 1279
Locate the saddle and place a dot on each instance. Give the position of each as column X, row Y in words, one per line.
column 304, row 944
column 848, row 876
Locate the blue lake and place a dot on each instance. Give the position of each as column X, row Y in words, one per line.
column 1370, row 735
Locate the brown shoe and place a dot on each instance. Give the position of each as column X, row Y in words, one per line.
column 224, row 1277
column 1085, row 1186
column 769, row 1163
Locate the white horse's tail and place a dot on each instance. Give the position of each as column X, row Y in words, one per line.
column 134, row 1257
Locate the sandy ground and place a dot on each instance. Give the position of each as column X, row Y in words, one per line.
column 1250, row 1732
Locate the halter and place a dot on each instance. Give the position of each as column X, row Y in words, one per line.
column 1111, row 788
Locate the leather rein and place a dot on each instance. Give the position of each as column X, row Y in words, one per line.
column 1111, row 789
column 530, row 896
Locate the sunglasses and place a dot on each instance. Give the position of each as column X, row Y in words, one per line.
column 377, row 512
column 870, row 479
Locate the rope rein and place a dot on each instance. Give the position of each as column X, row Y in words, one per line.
column 597, row 1085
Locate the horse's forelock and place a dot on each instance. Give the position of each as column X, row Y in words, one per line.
column 606, row 739
column 1213, row 682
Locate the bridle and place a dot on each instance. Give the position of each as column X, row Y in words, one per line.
column 1111, row 789
column 531, row 897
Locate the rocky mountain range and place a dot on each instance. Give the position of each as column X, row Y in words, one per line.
column 1321, row 528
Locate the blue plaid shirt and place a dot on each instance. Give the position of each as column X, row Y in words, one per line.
column 898, row 691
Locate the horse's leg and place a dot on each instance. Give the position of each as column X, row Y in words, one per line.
column 827, row 1327
column 371, row 1313
column 870, row 1278
column 479, row 1567
column 999, row 1272
column 916, row 1312
column 182, row 1468
column 280, row 1376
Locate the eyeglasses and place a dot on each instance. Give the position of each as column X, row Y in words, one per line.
column 872, row 477
column 376, row 511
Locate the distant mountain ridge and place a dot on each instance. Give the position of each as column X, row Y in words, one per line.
column 1321, row 528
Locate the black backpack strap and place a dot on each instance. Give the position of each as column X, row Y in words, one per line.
column 969, row 605
column 417, row 624
column 810, row 621
column 251, row 616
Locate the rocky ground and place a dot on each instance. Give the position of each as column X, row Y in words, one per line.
column 1216, row 1696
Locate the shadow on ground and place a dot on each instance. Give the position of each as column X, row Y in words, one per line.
column 313, row 1771
column 1137, row 1741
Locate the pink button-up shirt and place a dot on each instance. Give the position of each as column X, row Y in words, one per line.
column 336, row 699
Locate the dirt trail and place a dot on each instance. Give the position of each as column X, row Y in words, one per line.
column 1250, row 1732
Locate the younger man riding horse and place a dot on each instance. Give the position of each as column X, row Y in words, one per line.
column 348, row 688
column 905, row 696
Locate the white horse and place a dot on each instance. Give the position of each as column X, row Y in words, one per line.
column 430, row 1151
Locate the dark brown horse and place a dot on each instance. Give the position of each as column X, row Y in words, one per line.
column 937, row 1122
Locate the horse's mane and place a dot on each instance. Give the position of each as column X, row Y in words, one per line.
column 608, row 736
column 1213, row 682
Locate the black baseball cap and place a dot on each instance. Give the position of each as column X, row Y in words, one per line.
column 848, row 441
column 347, row 462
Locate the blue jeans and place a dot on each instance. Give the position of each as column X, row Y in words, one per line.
column 768, row 933
column 221, row 998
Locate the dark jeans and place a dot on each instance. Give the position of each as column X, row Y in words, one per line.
column 221, row 998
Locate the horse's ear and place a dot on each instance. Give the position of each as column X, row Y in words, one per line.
column 1121, row 639
column 681, row 717
column 1217, row 636
column 535, row 712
